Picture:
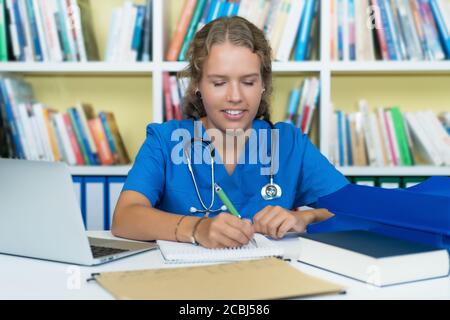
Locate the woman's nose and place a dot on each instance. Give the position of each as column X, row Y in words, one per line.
column 234, row 93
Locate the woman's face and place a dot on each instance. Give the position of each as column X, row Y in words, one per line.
column 231, row 87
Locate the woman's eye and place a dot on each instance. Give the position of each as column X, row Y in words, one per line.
column 218, row 84
column 249, row 83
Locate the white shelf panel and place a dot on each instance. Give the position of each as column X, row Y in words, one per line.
column 291, row 66
column 100, row 170
column 314, row 66
column 391, row 67
column 307, row 66
column 78, row 67
column 347, row 171
column 395, row 171
column 173, row 66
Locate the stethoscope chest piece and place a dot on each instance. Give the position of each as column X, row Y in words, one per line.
column 271, row 191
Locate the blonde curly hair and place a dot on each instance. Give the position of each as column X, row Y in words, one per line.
column 240, row 32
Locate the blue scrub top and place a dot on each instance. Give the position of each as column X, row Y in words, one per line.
column 304, row 174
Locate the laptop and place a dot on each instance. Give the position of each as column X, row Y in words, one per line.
column 40, row 217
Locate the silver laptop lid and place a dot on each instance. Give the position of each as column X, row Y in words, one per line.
column 39, row 213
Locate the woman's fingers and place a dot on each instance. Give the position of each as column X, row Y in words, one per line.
column 273, row 226
column 243, row 226
column 261, row 219
column 268, row 220
column 230, row 231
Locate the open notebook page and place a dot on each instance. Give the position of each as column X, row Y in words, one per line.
column 177, row 252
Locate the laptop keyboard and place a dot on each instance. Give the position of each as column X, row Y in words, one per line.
column 104, row 251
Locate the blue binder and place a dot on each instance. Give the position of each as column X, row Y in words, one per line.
column 79, row 187
column 96, row 203
column 420, row 213
column 115, row 185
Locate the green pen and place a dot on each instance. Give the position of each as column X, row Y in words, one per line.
column 226, row 201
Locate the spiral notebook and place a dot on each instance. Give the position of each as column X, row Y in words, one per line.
column 176, row 252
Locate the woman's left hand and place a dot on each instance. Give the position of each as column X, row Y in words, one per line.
column 275, row 221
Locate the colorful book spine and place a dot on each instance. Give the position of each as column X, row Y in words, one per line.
column 192, row 28
column 213, row 11
column 352, row 29
column 98, row 133
column 180, row 32
column 118, row 141
column 12, row 121
column 348, row 141
column 401, row 136
column 441, row 24
column 302, row 39
column 3, row 33
column 390, row 138
column 137, row 33
column 175, row 98
column 20, row 30
column 73, row 140
column 340, row 138
column 148, row 29
column 109, row 136
column 51, row 134
column 388, row 31
column 167, row 98
column 430, row 30
column 235, row 10
column 77, row 131
column 38, row 56
column 380, row 30
column 61, row 17
column 294, row 100
column 84, row 138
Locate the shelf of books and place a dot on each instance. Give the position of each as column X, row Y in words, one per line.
column 78, row 68
column 360, row 90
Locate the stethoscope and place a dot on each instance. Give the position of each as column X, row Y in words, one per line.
column 269, row 191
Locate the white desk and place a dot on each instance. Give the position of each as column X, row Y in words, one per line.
column 24, row 278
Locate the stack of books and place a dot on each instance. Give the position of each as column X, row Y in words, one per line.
column 292, row 27
column 46, row 30
column 130, row 33
column 302, row 104
column 388, row 137
column 29, row 130
column 373, row 258
column 365, row 30
column 174, row 90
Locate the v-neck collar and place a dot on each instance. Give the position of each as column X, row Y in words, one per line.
column 222, row 174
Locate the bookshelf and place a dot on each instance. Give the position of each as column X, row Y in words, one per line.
column 147, row 104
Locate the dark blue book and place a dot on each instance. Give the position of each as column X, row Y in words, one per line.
column 138, row 30
column 11, row 121
column 20, row 30
column 372, row 257
column 348, row 138
column 145, row 52
column 34, row 31
column 340, row 138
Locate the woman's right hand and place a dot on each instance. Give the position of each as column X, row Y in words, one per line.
column 224, row 231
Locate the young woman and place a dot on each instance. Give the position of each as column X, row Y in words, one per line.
column 267, row 171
